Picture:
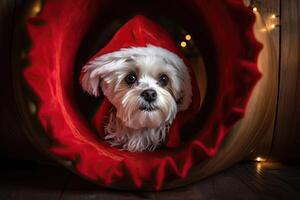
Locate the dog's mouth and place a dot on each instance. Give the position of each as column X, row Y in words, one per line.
column 148, row 108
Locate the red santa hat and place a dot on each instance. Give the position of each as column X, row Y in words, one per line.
column 142, row 36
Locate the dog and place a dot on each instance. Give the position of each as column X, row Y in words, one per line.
column 147, row 86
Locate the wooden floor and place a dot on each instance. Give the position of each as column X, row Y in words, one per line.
column 30, row 181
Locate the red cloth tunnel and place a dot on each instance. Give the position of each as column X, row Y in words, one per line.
column 56, row 36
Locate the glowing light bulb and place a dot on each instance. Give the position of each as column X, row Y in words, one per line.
column 260, row 159
column 273, row 16
column 183, row 44
column 254, row 9
column 273, row 26
column 37, row 6
column 188, row 37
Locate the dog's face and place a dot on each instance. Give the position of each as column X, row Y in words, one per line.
column 144, row 91
column 146, row 88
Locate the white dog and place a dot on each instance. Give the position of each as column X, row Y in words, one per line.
column 147, row 86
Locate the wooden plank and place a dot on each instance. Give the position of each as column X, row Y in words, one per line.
column 27, row 180
column 242, row 181
column 265, row 179
column 287, row 133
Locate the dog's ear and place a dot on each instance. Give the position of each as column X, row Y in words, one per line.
column 185, row 93
column 185, row 86
column 96, row 70
column 89, row 82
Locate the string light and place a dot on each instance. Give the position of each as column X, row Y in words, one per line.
column 273, row 16
column 183, row 44
column 260, row 159
column 253, row 5
column 273, row 21
column 36, row 8
column 188, row 37
column 273, row 26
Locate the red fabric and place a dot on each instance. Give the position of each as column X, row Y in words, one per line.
column 140, row 32
column 55, row 43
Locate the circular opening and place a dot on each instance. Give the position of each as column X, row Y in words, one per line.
column 225, row 42
column 180, row 21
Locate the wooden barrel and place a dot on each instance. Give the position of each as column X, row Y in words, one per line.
column 270, row 129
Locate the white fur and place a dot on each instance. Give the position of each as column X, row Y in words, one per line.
column 134, row 140
column 129, row 127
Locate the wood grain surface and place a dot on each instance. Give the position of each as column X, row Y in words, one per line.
column 286, row 144
column 244, row 181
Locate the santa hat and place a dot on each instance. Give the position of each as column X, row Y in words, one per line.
column 141, row 36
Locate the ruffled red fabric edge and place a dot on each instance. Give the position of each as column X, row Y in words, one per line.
column 56, row 35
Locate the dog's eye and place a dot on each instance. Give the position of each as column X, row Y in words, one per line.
column 163, row 80
column 130, row 79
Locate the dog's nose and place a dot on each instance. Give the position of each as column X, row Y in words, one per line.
column 149, row 95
